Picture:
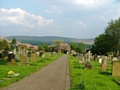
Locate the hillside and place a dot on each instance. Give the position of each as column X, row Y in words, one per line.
column 48, row 39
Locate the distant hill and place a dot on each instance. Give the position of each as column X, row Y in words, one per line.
column 36, row 40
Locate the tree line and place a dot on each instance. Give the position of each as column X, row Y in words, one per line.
column 109, row 41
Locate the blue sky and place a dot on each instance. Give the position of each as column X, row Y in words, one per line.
column 67, row 18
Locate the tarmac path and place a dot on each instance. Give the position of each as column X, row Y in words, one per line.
column 55, row 76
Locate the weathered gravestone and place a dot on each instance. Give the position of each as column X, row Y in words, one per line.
column 5, row 55
column 10, row 57
column 33, row 57
column 116, row 68
column 115, row 59
column 0, row 55
column 88, row 65
column 40, row 53
column 24, row 60
column 81, row 58
column 29, row 54
column 104, row 63
column 13, row 62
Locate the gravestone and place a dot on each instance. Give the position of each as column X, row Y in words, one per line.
column 88, row 65
column 5, row 55
column 29, row 54
column 24, row 60
column 118, row 58
column 114, row 59
column 95, row 57
column 100, row 60
column 10, row 57
column 104, row 63
column 81, row 58
column 116, row 68
column 33, row 57
column 40, row 53
column 12, row 62
column 0, row 55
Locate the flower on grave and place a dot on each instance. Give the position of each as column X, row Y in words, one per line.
column 11, row 72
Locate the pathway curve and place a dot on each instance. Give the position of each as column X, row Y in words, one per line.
column 55, row 76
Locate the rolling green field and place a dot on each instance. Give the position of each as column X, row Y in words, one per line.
column 23, row 70
column 95, row 79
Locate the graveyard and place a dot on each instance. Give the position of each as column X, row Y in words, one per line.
column 87, row 70
column 98, row 77
column 13, row 72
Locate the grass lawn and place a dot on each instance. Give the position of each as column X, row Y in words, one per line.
column 95, row 79
column 23, row 70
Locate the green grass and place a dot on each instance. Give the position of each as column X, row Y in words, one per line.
column 95, row 79
column 23, row 70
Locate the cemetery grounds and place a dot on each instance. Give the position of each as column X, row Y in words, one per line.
column 94, row 79
column 23, row 70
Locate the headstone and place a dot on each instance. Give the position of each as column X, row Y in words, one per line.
column 116, row 68
column 33, row 57
column 81, row 58
column 104, row 63
column 5, row 55
column 118, row 58
column 88, row 65
column 114, row 59
column 12, row 62
column 0, row 55
column 29, row 54
column 100, row 60
column 95, row 57
column 24, row 60
column 40, row 53
column 10, row 57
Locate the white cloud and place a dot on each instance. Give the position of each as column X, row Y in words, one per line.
column 103, row 19
column 21, row 17
column 92, row 3
column 81, row 24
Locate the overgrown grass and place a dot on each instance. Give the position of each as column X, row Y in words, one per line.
column 95, row 79
column 23, row 70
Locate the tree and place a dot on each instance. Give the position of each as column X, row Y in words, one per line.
column 1, row 45
column 46, row 48
column 73, row 46
column 113, row 33
column 40, row 48
column 5, row 45
column 82, row 47
column 56, row 44
column 101, row 45
column 109, row 41
column 13, row 43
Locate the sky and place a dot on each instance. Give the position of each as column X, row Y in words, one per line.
column 66, row 18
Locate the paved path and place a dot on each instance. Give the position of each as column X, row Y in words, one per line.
column 55, row 76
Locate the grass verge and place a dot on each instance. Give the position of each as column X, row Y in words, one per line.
column 95, row 79
column 23, row 70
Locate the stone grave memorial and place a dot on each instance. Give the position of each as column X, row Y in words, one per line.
column 29, row 54
column 0, row 55
column 33, row 57
column 5, row 55
column 11, row 59
column 40, row 53
column 116, row 68
column 115, row 59
column 24, row 60
column 104, row 63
